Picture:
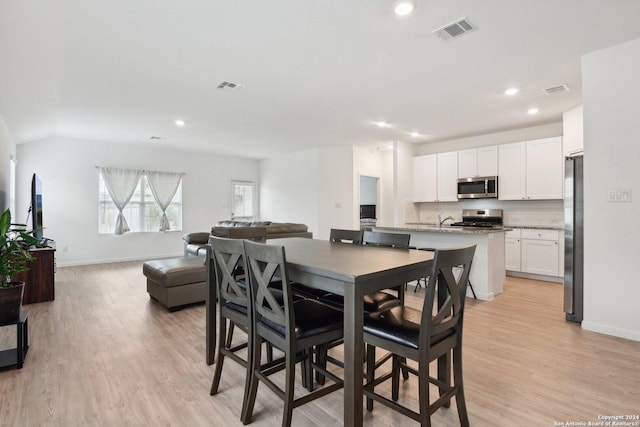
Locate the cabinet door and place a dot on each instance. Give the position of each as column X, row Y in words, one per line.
column 512, row 254
column 448, row 177
column 511, row 171
column 544, row 169
column 468, row 163
column 488, row 161
column 540, row 256
column 424, row 178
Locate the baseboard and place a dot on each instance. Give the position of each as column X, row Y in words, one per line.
column 540, row 277
column 611, row 330
column 111, row 260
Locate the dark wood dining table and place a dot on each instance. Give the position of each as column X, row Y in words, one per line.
column 352, row 271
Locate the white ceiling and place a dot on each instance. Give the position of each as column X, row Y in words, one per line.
column 315, row 73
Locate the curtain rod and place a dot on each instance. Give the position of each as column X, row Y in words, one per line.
column 143, row 170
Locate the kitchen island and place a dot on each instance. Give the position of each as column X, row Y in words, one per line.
column 487, row 272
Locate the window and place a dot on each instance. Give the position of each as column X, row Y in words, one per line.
column 244, row 203
column 142, row 212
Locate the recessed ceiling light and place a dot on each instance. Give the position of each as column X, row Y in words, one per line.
column 404, row 7
column 511, row 91
column 415, row 134
column 533, row 111
column 180, row 123
column 382, row 124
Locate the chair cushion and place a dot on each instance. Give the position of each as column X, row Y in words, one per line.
column 311, row 317
column 400, row 324
column 372, row 302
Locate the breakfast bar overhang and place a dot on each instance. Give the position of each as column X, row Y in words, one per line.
column 487, row 272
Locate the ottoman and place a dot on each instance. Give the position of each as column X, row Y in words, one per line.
column 176, row 282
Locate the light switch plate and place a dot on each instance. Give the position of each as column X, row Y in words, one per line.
column 619, row 195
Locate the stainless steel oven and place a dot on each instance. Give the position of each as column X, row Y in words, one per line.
column 482, row 187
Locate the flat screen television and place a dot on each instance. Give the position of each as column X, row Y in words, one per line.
column 36, row 206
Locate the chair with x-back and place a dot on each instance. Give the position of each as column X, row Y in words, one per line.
column 424, row 337
column 233, row 302
column 293, row 327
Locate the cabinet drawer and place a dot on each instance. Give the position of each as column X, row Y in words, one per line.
column 540, row 234
column 512, row 234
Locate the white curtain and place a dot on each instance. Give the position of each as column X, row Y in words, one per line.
column 163, row 187
column 121, row 183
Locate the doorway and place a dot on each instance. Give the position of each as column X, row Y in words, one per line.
column 369, row 201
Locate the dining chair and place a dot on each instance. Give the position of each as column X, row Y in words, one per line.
column 233, row 302
column 292, row 327
column 339, row 235
column 424, row 337
column 379, row 300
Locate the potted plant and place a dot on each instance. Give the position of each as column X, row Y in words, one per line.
column 15, row 241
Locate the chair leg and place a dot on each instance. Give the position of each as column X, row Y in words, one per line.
column 395, row 378
column 222, row 329
column 423, row 394
column 472, row 291
column 250, row 396
column 230, row 334
column 289, row 388
column 444, row 374
column 321, row 360
column 308, row 368
column 370, row 374
column 458, row 382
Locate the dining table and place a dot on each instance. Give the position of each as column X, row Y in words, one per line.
column 352, row 271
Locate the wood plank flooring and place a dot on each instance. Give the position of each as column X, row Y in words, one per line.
column 104, row 354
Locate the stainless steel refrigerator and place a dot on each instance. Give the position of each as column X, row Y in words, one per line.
column 573, row 238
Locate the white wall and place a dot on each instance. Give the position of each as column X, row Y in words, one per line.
column 336, row 201
column 289, row 188
column 523, row 134
column 7, row 150
column 67, row 168
column 573, row 130
column 312, row 187
column 611, row 90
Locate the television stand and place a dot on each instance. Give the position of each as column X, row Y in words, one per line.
column 39, row 280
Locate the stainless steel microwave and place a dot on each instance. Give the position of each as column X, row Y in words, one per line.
column 479, row 187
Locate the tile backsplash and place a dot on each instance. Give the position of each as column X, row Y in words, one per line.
column 515, row 212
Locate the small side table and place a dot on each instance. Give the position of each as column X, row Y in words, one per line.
column 15, row 356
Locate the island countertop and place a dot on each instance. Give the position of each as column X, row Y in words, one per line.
column 444, row 229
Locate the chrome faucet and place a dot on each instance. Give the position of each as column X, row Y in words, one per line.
column 441, row 221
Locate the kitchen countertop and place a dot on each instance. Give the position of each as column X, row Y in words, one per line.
column 536, row 227
column 443, row 229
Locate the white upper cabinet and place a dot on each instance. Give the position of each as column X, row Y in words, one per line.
column 511, row 171
column 425, row 174
column 544, row 169
column 435, row 177
column 468, row 163
column 478, row 162
column 531, row 170
column 448, row 177
column 488, row 161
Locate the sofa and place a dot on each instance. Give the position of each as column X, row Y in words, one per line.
column 194, row 243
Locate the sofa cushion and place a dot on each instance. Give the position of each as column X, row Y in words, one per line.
column 286, row 227
column 196, row 238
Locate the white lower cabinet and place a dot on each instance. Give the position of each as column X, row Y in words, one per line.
column 534, row 251
column 512, row 250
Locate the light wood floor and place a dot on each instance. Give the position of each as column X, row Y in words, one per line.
column 103, row 354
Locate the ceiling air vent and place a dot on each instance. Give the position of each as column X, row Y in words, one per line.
column 229, row 86
column 455, row 29
column 555, row 89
